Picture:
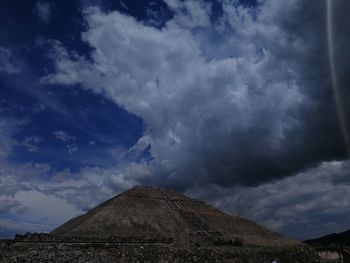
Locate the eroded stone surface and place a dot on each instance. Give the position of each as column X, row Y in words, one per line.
column 149, row 224
column 156, row 212
column 104, row 252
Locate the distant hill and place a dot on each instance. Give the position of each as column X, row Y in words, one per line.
column 151, row 212
column 332, row 239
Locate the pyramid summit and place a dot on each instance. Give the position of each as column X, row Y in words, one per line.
column 160, row 215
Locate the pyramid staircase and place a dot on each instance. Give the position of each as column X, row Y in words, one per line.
column 200, row 232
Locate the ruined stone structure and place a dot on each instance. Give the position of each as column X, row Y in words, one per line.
column 154, row 213
column 333, row 254
column 15, row 252
column 149, row 224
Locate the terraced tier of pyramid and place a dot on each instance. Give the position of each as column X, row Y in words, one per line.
column 151, row 212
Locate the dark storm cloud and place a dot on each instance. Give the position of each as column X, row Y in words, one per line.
column 309, row 204
column 317, row 135
column 254, row 106
column 230, row 103
column 322, row 135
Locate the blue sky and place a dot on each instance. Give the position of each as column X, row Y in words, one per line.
column 228, row 101
column 46, row 109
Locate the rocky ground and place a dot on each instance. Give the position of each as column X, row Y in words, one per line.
column 107, row 252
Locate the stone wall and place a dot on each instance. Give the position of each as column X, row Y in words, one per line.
column 42, row 237
column 333, row 254
column 13, row 252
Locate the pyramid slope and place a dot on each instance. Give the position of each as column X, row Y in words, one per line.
column 155, row 212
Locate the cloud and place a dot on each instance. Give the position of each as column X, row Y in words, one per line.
column 38, row 203
column 72, row 149
column 157, row 15
column 306, row 205
column 9, row 126
column 190, row 14
column 6, row 142
column 231, row 107
column 310, row 204
column 22, row 197
column 33, row 212
column 8, row 227
column 8, row 205
column 8, row 63
column 123, row 5
column 30, row 143
column 64, row 136
column 203, row 116
column 38, row 108
column 93, row 185
column 43, row 11
column 239, row 101
column 29, row 191
column 138, row 148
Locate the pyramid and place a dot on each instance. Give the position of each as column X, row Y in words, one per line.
column 152, row 213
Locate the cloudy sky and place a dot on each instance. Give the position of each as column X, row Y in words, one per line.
column 242, row 103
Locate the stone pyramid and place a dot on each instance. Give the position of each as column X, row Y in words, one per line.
column 159, row 215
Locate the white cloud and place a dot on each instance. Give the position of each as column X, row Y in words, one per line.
column 10, row 205
column 220, row 103
column 39, row 208
column 17, row 226
column 64, row 136
column 8, row 63
column 31, row 143
column 31, row 198
column 92, row 185
column 72, row 149
column 34, row 211
column 123, row 5
column 8, row 126
column 38, row 199
column 141, row 145
column 38, row 108
column 198, row 109
column 6, row 142
column 28, row 196
column 43, row 11
column 190, row 14
column 307, row 205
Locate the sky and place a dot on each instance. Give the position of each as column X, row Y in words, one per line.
column 241, row 103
